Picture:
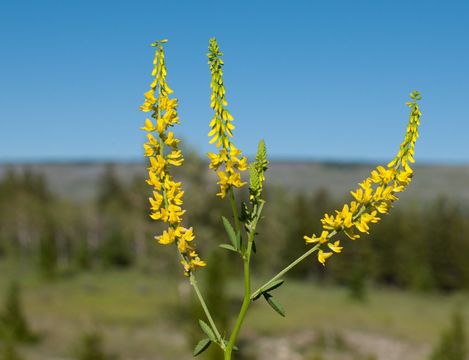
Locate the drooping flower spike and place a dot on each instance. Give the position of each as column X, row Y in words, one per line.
column 229, row 161
column 163, row 153
column 375, row 195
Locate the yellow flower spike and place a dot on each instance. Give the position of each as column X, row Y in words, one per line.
column 221, row 128
column 167, row 201
column 376, row 194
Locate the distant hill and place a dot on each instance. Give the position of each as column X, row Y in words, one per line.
column 79, row 180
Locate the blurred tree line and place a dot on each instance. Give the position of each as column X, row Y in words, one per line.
column 422, row 247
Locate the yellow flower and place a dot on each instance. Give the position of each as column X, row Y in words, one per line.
column 330, row 222
column 335, row 247
column 171, row 140
column 196, row 262
column 154, row 181
column 156, row 201
column 217, row 159
column 224, row 183
column 322, row 239
column 167, row 237
column 175, row 158
column 158, row 164
column 148, row 125
column 323, row 256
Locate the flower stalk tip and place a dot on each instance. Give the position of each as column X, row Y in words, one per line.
column 162, row 150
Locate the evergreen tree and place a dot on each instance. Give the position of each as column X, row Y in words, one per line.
column 48, row 255
column 116, row 250
column 110, row 189
column 12, row 319
column 452, row 345
column 91, row 348
column 448, row 245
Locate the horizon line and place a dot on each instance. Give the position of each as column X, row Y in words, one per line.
column 276, row 159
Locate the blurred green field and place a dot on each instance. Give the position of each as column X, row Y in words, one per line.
column 145, row 316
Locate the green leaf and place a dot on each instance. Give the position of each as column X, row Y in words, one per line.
column 229, row 247
column 274, row 285
column 207, row 330
column 201, row 346
column 234, row 237
column 274, row 304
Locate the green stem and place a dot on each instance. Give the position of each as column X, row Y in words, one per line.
column 284, row 271
column 247, row 286
column 193, row 282
column 246, row 300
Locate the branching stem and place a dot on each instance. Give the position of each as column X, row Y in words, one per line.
column 193, row 282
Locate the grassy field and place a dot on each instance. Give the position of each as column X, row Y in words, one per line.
column 143, row 316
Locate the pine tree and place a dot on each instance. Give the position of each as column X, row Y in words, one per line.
column 452, row 344
column 12, row 319
column 48, row 255
column 91, row 348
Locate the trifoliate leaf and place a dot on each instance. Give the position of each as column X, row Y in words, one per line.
column 201, row 346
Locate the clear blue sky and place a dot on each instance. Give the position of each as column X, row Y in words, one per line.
column 316, row 79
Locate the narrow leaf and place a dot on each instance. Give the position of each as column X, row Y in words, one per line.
column 228, row 247
column 230, row 231
column 274, row 304
column 207, row 330
column 274, row 285
column 201, row 346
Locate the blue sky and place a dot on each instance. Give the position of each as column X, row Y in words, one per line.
column 316, row 79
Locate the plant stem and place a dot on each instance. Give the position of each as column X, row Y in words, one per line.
column 284, row 271
column 193, row 282
column 247, row 285
column 246, row 299
column 301, row 258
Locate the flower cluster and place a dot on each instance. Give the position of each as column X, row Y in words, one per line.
column 375, row 195
column 163, row 152
column 229, row 157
